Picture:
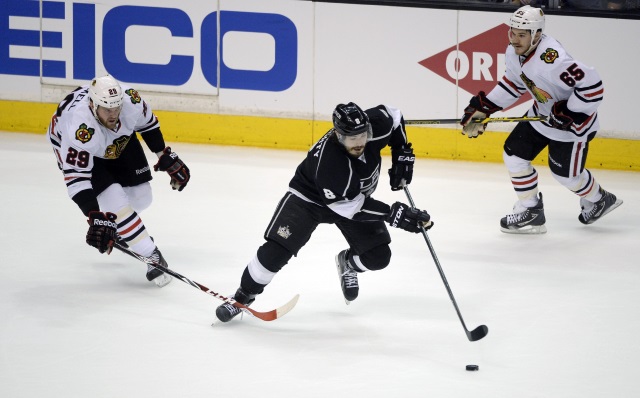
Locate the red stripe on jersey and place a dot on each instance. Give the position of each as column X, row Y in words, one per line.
column 595, row 93
column 510, row 83
column 583, row 125
column 576, row 160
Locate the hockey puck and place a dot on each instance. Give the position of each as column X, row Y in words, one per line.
column 472, row 367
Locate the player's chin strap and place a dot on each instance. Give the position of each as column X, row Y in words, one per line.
column 265, row 316
column 480, row 331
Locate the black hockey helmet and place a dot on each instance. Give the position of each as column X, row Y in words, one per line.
column 350, row 119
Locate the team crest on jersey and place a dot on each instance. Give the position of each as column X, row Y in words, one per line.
column 539, row 94
column 135, row 97
column 549, row 56
column 84, row 133
column 114, row 150
column 284, row 232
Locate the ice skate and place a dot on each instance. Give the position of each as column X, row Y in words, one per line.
column 348, row 277
column 153, row 274
column 525, row 220
column 592, row 212
column 227, row 312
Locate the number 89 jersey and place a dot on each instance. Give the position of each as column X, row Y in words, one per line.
column 550, row 75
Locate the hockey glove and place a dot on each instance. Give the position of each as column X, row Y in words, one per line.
column 177, row 170
column 102, row 231
column 401, row 171
column 408, row 218
column 479, row 108
column 562, row 118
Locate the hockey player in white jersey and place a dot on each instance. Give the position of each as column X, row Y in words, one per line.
column 333, row 185
column 569, row 93
column 93, row 134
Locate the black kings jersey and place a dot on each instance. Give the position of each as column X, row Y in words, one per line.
column 330, row 177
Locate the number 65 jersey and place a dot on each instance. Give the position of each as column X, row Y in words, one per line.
column 550, row 75
column 77, row 137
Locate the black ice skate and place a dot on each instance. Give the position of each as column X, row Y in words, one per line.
column 153, row 274
column 525, row 220
column 227, row 312
column 592, row 212
column 348, row 277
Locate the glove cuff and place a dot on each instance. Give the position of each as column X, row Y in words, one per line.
column 483, row 104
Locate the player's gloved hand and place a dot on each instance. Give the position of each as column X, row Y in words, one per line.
column 562, row 117
column 479, row 108
column 102, row 231
column 401, row 171
column 557, row 118
column 408, row 218
column 177, row 170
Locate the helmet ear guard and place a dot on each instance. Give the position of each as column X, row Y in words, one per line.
column 106, row 92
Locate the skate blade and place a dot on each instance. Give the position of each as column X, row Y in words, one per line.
column 163, row 280
column 609, row 210
column 528, row 230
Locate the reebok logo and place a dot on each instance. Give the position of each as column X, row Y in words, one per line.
column 106, row 223
column 479, row 63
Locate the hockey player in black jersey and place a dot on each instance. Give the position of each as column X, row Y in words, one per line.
column 333, row 185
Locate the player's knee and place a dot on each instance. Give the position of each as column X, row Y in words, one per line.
column 516, row 165
column 140, row 196
column 273, row 256
column 573, row 183
column 376, row 258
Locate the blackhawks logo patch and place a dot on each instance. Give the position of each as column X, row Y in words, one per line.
column 134, row 96
column 114, row 150
column 549, row 56
column 539, row 94
column 84, row 133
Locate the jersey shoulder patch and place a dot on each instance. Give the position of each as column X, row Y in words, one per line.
column 549, row 55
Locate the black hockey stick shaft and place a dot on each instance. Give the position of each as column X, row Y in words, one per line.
column 477, row 333
column 265, row 316
column 485, row 120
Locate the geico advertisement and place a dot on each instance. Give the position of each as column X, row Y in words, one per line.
column 164, row 45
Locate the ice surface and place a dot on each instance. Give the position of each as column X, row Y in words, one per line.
column 562, row 308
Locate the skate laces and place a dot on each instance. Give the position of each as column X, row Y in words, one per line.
column 350, row 277
column 516, row 218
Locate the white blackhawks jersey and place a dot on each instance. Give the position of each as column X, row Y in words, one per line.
column 550, row 74
column 77, row 137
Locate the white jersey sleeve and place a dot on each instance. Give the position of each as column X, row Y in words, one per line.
column 550, row 75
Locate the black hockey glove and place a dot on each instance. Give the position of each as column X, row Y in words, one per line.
column 102, row 231
column 479, row 108
column 177, row 170
column 401, row 171
column 562, row 118
column 407, row 218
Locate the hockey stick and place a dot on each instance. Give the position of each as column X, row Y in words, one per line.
column 265, row 316
column 485, row 120
column 477, row 333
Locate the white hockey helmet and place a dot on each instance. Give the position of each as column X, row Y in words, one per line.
column 106, row 92
column 528, row 18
